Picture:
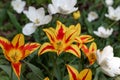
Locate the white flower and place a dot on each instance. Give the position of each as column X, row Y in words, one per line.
column 112, row 67
column 113, row 14
column 18, row 5
column 92, row 16
column 109, row 64
column 109, row 2
column 107, row 52
column 29, row 28
column 37, row 18
column 103, row 33
column 62, row 6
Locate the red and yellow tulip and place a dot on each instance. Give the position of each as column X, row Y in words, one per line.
column 16, row 50
column 61, row 39
column 82, row 39
column 90, row 52
column 85, row 74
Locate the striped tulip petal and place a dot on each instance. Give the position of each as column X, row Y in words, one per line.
column 74, row 50
column 50, row 34
column 71, row 33
column 90, row 53
column 17, row 69
column 85, row 74
column 85, row 49
column 93, row 47
column 29, row 48
column 86, row 38
column 46, row 47
column 5, row 44
column 60, row 30
column 18, row 40
column 73, row 73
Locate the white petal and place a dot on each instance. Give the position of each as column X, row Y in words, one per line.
column 96, row 33
column 109, row 2
column 56, row 2
column 31, row 14
column 113, row 67
column 18, row 5
column 40, row 12
column 52, row 9
column 107, row 52
column 47, row 19
column 29, row 29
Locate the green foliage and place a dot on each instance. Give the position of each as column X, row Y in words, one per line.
column 49, row 64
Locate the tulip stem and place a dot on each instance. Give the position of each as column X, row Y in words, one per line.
column 112, row 24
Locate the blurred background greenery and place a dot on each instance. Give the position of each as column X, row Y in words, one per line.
column 37, row 67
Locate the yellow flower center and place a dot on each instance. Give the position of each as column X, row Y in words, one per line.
column 15, row 55
column 59, row 47
column 37, row 21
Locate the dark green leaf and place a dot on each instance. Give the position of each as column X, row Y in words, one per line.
column 15, row 22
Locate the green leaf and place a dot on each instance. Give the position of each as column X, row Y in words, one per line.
column 7, row 69
column 15, row 22
column 57, row 72
column 2, row 15
column 35, row 70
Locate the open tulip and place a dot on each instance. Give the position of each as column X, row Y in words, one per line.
column 16, row 50
column 85, row 74
column 90, row 52
column 61, row 39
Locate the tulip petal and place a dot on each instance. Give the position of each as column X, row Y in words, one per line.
column 93, row 47
column 46, row 47
column 74, row 50
column 85, row 49
column 86, row 38
column 50, row 34
column 4, row 44
column 85, row 74
column 17, row 69
column 18, row 40
column 60, row 30
column 29, row 48
column 72, row 32
column 73, row 73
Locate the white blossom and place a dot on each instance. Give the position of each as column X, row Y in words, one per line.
column 62, row 6
column 18, row 5
column 109, row 2
column 103, row 32
column 109, row 64
column 37, row 18
column 113, row 14
column 92, row 16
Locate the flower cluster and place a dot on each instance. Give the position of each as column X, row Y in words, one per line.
column 64, row 39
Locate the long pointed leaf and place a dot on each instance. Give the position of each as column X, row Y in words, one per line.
column 14, row 21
